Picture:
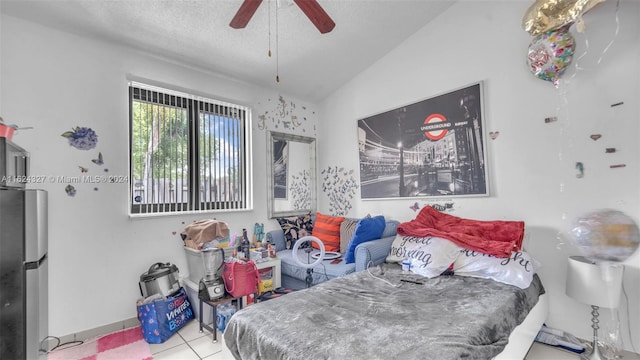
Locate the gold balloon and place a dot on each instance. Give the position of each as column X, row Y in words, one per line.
column 547, row 15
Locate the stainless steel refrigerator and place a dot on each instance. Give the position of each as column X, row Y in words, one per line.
column 23, row 259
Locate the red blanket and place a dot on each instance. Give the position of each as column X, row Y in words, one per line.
column 497, row 237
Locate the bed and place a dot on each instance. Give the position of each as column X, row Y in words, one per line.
column 380, row 314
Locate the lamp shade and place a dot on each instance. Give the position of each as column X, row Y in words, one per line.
column 594, row 284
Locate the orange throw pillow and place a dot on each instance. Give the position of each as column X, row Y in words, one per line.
column 327, row 229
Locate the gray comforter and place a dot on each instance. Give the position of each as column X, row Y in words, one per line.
column 360, row 316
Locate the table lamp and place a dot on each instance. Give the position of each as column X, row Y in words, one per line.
column 598, row 285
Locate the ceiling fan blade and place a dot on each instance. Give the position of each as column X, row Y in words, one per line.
column 244, row 14
column 316, row 14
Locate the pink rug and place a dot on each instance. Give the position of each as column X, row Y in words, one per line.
column 125, row 344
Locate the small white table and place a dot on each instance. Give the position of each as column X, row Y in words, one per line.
column 276, row 265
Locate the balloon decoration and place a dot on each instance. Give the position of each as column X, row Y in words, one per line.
column 606, row 235
column 547, row 15
column 553, row 46
column 550, row 53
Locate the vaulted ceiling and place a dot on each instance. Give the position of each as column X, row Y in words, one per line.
column 310, row 65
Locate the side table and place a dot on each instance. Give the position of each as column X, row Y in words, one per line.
column 276, row 264
column 214, row 307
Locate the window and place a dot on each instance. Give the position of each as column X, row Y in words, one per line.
column 188, row 153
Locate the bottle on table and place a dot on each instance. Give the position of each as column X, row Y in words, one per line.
column 245, row 245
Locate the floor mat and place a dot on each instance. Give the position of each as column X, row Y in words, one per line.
column 124, row 344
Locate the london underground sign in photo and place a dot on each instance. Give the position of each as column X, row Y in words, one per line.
column 435, row 127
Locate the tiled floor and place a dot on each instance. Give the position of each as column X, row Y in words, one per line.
column 544, row 352
column 190, row 344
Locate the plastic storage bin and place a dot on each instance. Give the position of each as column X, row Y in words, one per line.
column 192, row 293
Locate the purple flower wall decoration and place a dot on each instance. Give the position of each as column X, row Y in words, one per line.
column 82, row 138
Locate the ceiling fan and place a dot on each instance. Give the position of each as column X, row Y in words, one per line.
column 311, row 8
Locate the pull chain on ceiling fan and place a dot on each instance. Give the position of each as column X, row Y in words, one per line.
column 269, row 20
column 277, row 51
column 310, row 8
column 269, row 52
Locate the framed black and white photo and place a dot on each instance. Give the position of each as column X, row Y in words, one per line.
column 431, row 148
column 280, row 165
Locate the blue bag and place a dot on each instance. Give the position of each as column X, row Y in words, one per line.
column 162, row 318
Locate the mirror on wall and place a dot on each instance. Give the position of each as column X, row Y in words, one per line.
column 291, row 174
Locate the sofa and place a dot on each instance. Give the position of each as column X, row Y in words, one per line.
column 369, row 253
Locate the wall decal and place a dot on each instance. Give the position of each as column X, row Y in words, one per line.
column 82, row 138
column 550, row 119
column 300, row 190
column 494, row 134
column 70, row 190
column 447, row 206
column 340, row 187
column 580, row 168
column 284, row 114
column 99, row 160
column 415, row 207
column 85, row 138
column 595, row 137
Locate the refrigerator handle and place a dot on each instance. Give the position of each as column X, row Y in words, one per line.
column 26, row 165
column 22, row 165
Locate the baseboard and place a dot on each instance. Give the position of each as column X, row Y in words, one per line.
column 93, row 333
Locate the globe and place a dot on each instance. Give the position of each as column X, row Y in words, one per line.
column 606, row 235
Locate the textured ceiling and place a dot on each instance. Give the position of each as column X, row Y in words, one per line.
column 197, row 33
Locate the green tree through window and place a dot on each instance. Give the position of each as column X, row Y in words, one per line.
column 187, row 153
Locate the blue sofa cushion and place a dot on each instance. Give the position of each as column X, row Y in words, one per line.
column 367, row 229
column 321, row 272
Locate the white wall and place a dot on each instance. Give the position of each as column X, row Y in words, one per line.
column 532, row 163
column 55, row 81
